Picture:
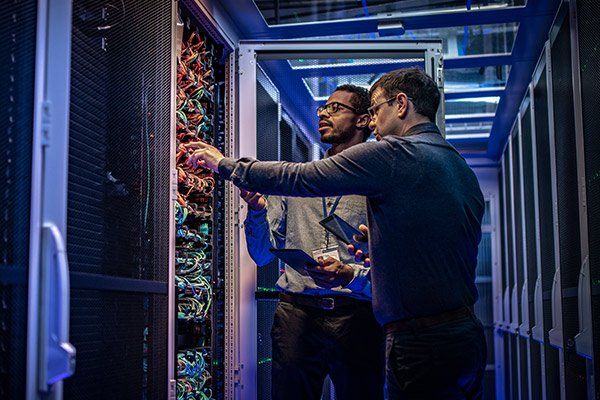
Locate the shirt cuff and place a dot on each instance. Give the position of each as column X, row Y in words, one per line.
column 226, row 167
column 256, row 216
column 360, row 280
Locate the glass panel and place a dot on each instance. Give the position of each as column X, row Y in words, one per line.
column 322, row 84
column 469, row 40
column 457, row 40
column 463, row 79
column 321, row 87
column 473, row 105
column 294, row 11
column 487, row 215
column 484, row 257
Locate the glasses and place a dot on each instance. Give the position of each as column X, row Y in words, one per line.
column 373, row 109
column 334, row 107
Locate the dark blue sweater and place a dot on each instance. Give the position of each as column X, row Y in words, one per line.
column 424, row 209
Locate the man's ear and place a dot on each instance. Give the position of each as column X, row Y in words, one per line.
column 402, row 105
column 363, row 121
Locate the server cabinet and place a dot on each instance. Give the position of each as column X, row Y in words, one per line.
column 585, row 64
column 519, row 289
column 529, row 252
column 563, row 165
column 544, row 230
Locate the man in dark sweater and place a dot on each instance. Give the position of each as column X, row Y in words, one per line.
column 424, row 210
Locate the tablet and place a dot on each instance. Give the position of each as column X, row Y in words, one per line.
column 344, row 231
column 295, row 258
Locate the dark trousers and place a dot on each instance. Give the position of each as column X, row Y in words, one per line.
column 309, row 343
column 446, row 361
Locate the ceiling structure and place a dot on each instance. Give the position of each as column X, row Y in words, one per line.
column 490, row 50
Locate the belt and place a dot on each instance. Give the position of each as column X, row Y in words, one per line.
column 323, row 303
column 427, row 322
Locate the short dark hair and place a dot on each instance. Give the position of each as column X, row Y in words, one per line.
column 361, row 101
column 416, row 84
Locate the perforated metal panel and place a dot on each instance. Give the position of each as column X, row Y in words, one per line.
column 567, row 203
column 265, row 311
column 518, row 210
column 589, row 64
column 530, row 247
column 509, row 217
column 566, row 161
column 528, row 208
column 17, row 62
column 544, row 183
column 540, row 99
column 502, row 200
column 118, row 196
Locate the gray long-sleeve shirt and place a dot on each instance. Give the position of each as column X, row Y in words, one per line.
column 293, row 222
column 424, row 209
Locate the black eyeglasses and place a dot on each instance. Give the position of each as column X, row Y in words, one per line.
column 334, row 107
column 373, row 109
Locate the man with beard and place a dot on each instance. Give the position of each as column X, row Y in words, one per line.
column 324, row 322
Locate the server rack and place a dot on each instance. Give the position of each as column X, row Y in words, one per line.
column 90, row 151
column 585, row 64
column 529, row 263
column 556, row 219
column 201, row 211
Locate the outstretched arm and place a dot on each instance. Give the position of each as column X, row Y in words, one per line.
column 363, row 169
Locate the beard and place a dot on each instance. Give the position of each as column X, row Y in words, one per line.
column 333, row 136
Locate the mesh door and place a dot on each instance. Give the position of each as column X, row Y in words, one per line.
column 118, row 198
column 589, row 64
column 17, row 56
column 540, row 99
column 567, row 203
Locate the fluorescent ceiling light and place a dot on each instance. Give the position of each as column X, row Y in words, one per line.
column 449, row 118
column 468, row 136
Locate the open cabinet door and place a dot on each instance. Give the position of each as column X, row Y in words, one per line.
column 280, row 85
column 34, row 281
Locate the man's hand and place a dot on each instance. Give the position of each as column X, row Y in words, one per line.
column 204, row 155
column 255, row 201
column 331, row 273
column 358, row 254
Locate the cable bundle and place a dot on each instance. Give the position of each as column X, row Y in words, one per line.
column 194, row 216
column 193, row 377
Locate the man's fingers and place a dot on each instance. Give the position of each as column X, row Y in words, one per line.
column 196, row 159
column 351, row 249
column 358, row 256
column 195, row 145
column 329, row 260
column 364, row 229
